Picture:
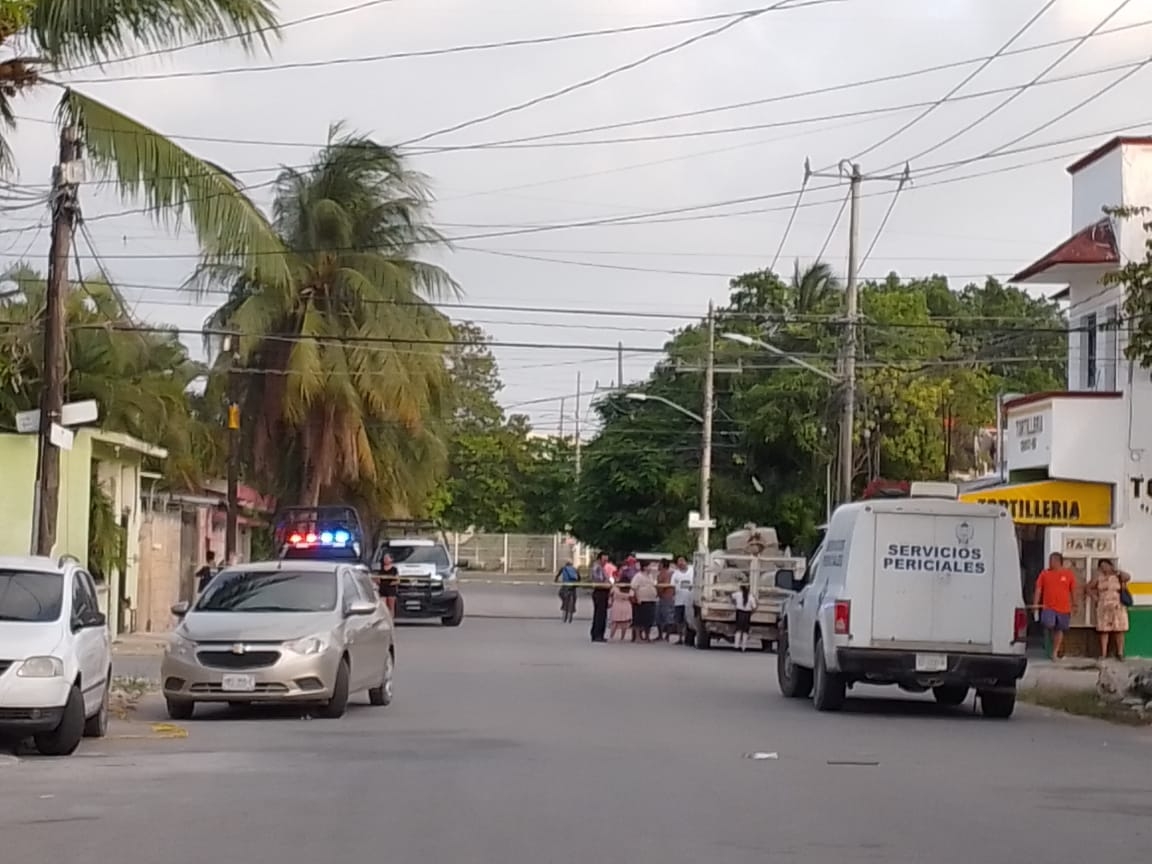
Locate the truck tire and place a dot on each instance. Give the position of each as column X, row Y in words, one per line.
column 453, row 618
column 998, row 704
column 952, row 695
column 794, row 681
column 703, row 637
column 828, row 689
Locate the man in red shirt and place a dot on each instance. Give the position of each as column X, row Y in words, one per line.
column 1055, row 590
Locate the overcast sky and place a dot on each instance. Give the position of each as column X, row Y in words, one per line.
column 992, row 224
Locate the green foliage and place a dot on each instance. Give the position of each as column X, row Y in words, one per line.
column 1136, row 278
column 138, row 377
column 106, row 541
column 932, row 361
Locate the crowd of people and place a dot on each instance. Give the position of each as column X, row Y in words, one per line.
column 636, row 601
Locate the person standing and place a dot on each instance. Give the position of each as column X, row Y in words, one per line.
column 1055, row 593
column 204, row 574
column 621, row 603
column 568, row 577
column 682, row 584
column 644, row 589
column 601, row 585
column 1109, row 590
column 665, row 608
column 389, row 583
column 745, row 602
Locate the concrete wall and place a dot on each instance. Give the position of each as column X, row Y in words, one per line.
column 1099, row 185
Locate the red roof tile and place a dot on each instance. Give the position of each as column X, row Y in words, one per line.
column 1095, row 244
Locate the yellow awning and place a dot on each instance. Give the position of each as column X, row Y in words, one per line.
column 1051, row 502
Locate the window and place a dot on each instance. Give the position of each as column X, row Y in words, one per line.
column 351, row 589
column 1088, row 358
column 368, row 590
column 31, row 597
column 1109, row 356
column 269, row 591
column 85, row 606
column 411, row 554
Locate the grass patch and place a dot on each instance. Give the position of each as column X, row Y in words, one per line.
column 126, row 693
column 1083, row 703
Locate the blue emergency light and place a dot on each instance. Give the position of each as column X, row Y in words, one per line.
column 337, row 539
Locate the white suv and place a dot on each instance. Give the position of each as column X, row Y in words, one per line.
column 55, row 654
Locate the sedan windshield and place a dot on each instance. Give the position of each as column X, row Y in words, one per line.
column 269, row 591
column 30, row 597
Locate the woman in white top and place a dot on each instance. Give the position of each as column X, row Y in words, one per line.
column 745, row 602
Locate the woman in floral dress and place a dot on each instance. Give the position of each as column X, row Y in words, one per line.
column 1111, row 614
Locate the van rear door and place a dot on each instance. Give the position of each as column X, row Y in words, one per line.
column 934, row 581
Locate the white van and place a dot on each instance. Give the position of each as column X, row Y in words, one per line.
column 920, row 592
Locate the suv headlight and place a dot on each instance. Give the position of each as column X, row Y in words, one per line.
column 308, row 645
column 42, row 667
column 436, row 577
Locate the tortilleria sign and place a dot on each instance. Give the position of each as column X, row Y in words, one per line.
column 1051, row 502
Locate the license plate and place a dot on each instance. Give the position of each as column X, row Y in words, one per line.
column 413, row 605
column 931, row 662
column 238, row 683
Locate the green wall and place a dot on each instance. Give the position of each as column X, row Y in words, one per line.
column 1138, row 642
column 18, row 482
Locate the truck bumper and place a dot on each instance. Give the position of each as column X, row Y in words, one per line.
column 884, row 666
column 425, row 604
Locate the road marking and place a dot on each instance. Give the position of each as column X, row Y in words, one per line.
column 158, row 730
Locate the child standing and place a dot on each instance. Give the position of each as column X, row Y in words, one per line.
column 620, row 602
column 745, row 602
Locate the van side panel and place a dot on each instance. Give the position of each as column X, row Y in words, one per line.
column 935, row 577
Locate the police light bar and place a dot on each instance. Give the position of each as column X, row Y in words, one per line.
column 337, row 539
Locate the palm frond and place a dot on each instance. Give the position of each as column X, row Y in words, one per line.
column 78, row 31
column 174, row 184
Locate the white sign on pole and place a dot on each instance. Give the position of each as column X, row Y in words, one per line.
column 61, row 437
column 72, row 414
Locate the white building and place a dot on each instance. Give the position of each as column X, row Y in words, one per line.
column 1078, row 464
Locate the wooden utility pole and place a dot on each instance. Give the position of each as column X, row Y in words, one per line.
column 233, row 450
column 577, row 423
column 65, row 206
column 703, row 538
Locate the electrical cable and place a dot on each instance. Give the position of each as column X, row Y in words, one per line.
column 988, row 61
column 884, row 221
column 1003, row 104
column 783, row 5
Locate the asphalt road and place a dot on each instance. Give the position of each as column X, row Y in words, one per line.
column 519, row 742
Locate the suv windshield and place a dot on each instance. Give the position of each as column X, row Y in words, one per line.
column 406, row 554
column 271, row 591
column 30, row 596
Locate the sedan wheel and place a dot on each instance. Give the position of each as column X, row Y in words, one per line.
column 382, row 695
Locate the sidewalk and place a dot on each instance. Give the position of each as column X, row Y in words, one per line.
column 1073, row 673
column 139, row 644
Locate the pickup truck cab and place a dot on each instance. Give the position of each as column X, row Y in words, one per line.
column 921, row 592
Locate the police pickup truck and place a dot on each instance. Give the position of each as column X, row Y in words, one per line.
column 428, row 577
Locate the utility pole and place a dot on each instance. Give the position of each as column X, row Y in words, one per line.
column 851, row 311
column 232, row 350
column 702, row 542
column 65, row 209
column 620, row 365
column 577, row 422
column 563, row 403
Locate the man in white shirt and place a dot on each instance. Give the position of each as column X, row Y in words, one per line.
column 682, row 577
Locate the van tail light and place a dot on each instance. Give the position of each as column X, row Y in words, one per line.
column 842, row 617
column 1020, row 631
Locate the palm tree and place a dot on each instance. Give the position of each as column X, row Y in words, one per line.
column 345, row 376
column 815, row 289
column 59, row 36
column 139, row 377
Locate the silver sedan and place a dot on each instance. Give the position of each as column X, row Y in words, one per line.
column 282, row 631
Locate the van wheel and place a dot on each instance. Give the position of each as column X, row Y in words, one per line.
column 950, row 694
column 795, row 681
column 998, row 704
column 65, row 738
column 828, row 688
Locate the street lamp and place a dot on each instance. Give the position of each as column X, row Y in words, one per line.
column 705, row 457
column 648, row 397
column 752, row 342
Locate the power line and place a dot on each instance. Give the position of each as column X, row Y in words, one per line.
column 783, row 5
column 216, row 40
column 428, row 52
column 1003, row 104
column 988, row 61
column 887, row 215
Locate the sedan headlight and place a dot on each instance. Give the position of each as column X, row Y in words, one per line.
column 180, row 646
column 42, row 667
column 308, row 645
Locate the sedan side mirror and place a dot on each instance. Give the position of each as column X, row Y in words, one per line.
column 786, row 580
column 361, row 607
column 180, row 609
